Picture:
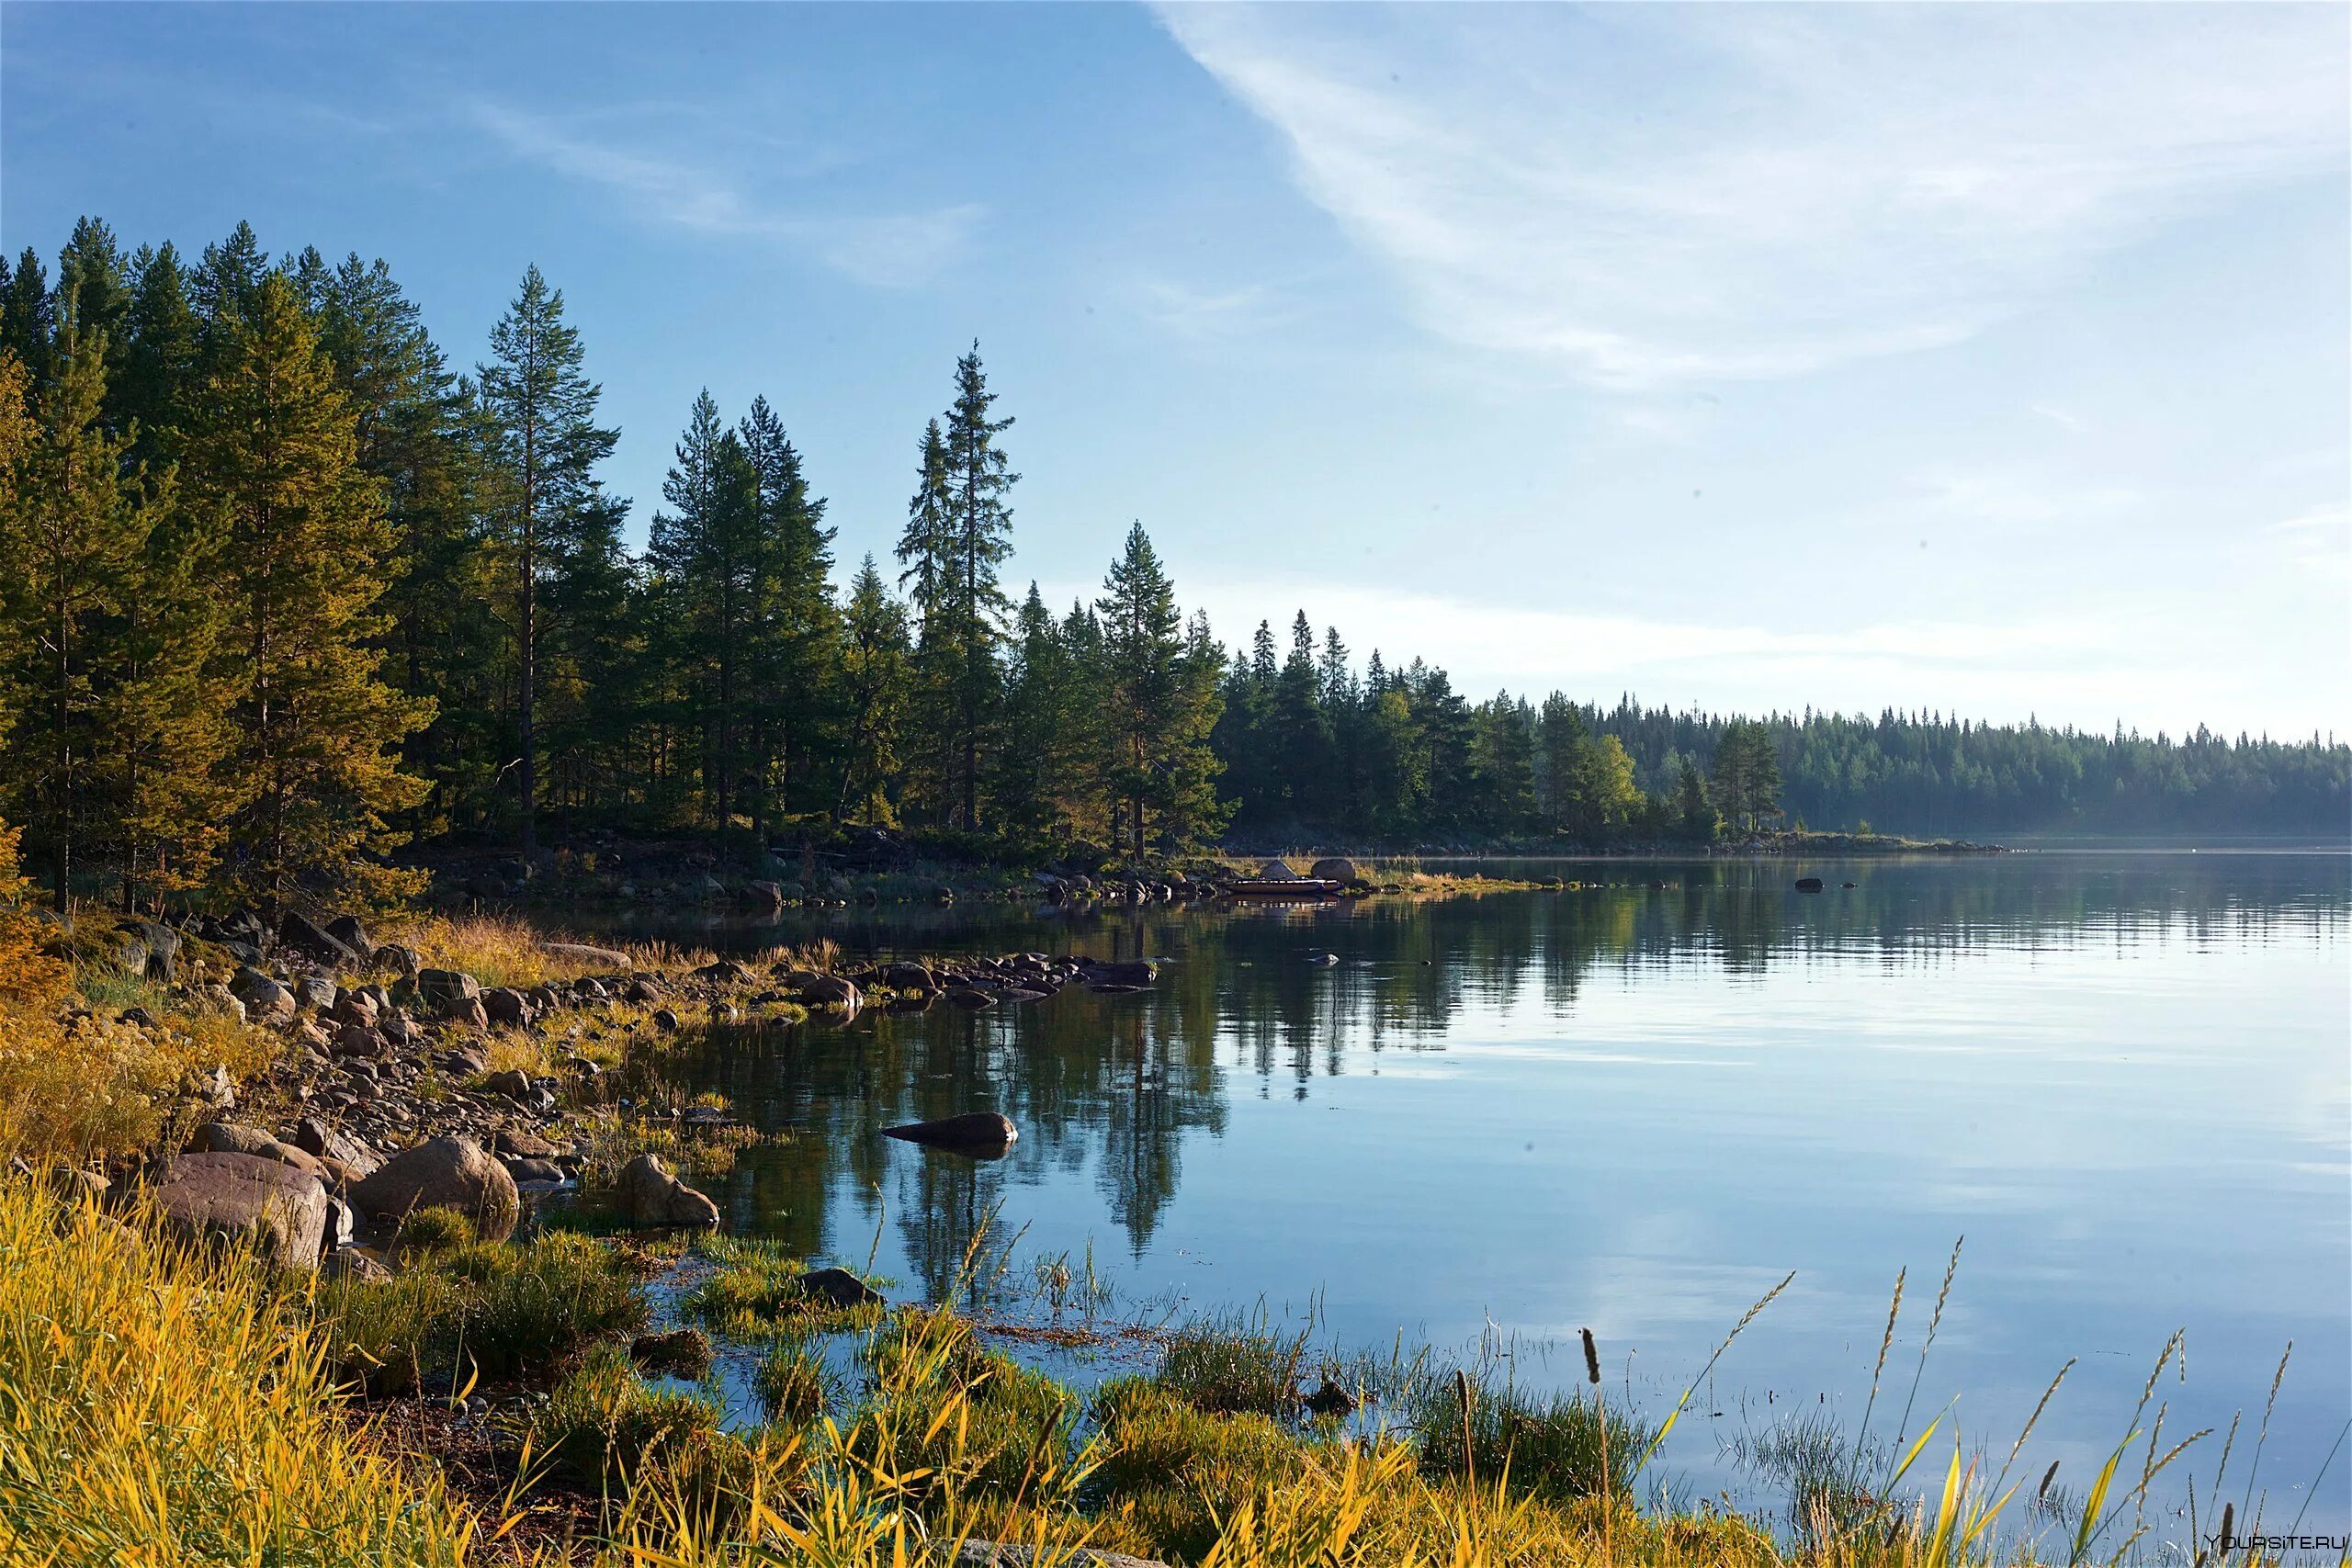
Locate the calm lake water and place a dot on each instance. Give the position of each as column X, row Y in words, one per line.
column 2122, row 1077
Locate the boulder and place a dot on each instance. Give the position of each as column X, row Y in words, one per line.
column 1334, row 868
column 444, row 988
column 826, row 990
column 401, row 961
column 315, row 992
column 514, row 1083
column 518, row 1142
column 355, row 1007
column 266, row 1000
column 1808, row 885
column 327, row 1142
column 148, row 950
column 840, row 1287
column 580, row 953
column 230, row 1138
column 240, row 1197
column 347, row 931
column 652, row 1196
column 665, row 1021
column 1135, row 971
column 980, row 1134
column 1277, row 870
column 533, row 1170
column 444, row 1172
column 358, row 1039
column 505, row 1006
column 466, row 1011
column 906, row 977
column 307, row 937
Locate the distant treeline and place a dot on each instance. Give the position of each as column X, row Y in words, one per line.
column 281, row 589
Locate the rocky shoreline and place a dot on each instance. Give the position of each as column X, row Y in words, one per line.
column 396, row 1085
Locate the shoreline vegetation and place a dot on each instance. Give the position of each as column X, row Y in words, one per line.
column 507, row 1357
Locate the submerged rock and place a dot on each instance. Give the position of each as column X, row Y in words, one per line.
column 982, row 1135
column 1808, row 885
column 839, row 1287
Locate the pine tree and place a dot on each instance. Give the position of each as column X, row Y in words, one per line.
column 155, row 393
column 1036, row 766
column 547, row 514
column 979, row 476
column 874, row 655
column 75, row 539
column 794, row 642
column 28, row 325
column 1160, row 702
column 926, row 551
column 415, row 427
column 300, row 570
column 1300, row 738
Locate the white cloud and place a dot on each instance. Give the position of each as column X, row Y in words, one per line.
column 889, row 249
column 1640, row 195
column 1204, row 314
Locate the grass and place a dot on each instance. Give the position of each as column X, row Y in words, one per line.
column 463, row 1310
column 155, row 1410
column 754, row 1292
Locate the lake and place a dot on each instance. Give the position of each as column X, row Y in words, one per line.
column 2122, row 1077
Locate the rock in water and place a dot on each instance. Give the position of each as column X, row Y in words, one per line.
column 652, row 1196
column 980, row 1135
column 446, row 1172
column 283, row 1210
column 1808, row 885
column 839, row 1287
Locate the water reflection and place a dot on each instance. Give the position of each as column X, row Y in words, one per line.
column 2123, row 1076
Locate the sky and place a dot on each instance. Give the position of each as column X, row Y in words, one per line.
column 1989, row 359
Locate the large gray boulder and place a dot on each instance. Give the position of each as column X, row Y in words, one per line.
column 1335, row 869
column 148, row 950
column 282, row 1211
column 651, row 1196
column 444, row 1173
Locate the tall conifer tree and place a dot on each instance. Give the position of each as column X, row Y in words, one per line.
column 547, row 514
column 302, row 565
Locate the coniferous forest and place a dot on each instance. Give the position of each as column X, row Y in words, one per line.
column 288, row 585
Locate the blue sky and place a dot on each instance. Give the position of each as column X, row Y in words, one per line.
column 1990, row 359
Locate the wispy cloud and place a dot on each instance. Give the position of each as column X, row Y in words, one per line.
column 886, row 249
column 2318, row 542
column 1641, row 195
column 1205, row 315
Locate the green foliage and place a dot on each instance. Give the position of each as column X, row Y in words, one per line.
column 459, row 1309
column 281, row 587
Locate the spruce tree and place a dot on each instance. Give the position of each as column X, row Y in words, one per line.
column 874, row 658
column 74, row 539
column 302, row 569
column 794, row 642
column 27, row 326
column 980, row 477
column 1159, row 700
column 926, row 553
column 1036, row 767
column 545, row 512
